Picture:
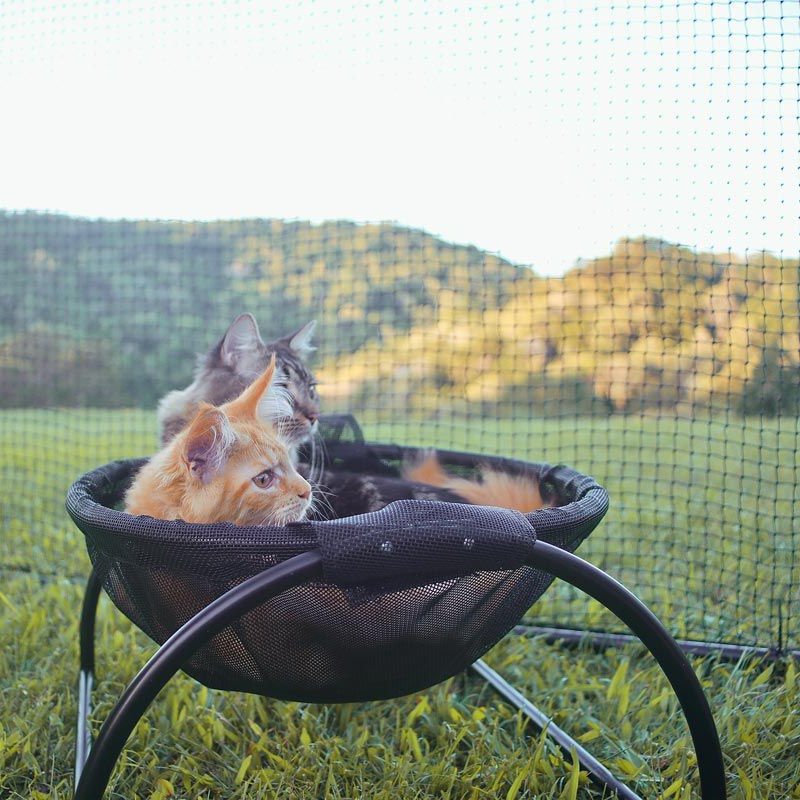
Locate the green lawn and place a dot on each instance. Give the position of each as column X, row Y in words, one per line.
column 700, row 527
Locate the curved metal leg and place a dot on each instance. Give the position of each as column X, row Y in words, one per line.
column 83, row 740
column 635, row 614
column 93, row 779
column 141, row 691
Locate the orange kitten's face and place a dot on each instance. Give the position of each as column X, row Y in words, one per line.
column 258, row 485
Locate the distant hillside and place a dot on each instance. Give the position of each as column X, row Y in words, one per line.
column 113, row 312
column 651, row 326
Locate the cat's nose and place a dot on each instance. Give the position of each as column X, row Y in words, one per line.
column 305, row 494
column 311, row 416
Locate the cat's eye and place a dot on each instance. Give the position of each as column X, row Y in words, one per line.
column 264, row 479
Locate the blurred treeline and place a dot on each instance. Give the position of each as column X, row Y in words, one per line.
column 113, row 313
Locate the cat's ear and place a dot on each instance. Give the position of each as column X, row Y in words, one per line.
column 208, row 443
column 263, row 399
column 242, row 337
column 300, row 341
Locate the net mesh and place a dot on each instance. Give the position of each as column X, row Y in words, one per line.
column 665, row 361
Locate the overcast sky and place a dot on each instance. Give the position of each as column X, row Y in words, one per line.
column 539, row 130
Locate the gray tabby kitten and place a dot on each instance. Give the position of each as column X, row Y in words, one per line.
column 234, row 363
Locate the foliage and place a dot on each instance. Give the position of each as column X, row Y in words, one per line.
column 116, row 310
column 651, row 327
column 150, row 294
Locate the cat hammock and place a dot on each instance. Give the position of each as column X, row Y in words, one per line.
column 363, row 608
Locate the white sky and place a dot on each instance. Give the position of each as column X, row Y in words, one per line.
column 539, row 130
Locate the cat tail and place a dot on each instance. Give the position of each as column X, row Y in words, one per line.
column 494, row 488
column 426, row 468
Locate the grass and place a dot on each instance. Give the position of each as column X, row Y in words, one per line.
column 724, row 491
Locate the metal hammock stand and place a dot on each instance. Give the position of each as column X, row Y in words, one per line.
column 363, row 608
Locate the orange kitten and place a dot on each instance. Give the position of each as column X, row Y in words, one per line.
column 518, row 492
column 230, row 464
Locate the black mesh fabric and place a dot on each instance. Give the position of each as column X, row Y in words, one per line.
column 410, row 595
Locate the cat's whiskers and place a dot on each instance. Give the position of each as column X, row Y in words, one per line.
column 267, row 519
column 321, row 503
column 317, row 460
column 282, row 516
